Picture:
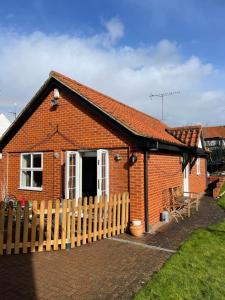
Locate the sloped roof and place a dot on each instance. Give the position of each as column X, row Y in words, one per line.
column 189, row 135
column 136, row 121
column 214, row 132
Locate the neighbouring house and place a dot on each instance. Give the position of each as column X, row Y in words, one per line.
column 71, row 141
column 214, row 138
column 4, row 124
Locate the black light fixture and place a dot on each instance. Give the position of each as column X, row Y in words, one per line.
column 117, row 157
column 133, row 158
column 54, row 102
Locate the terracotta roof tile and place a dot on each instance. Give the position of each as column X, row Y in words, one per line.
column 189, row 135
column 214, row 132
column 138, row 122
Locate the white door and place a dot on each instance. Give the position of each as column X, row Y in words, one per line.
column 102, row 173
column 72, row 180
column 186, row 178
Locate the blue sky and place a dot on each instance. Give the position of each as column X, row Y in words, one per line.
column 152, row 41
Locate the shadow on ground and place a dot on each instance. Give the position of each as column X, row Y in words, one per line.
column 17, row 278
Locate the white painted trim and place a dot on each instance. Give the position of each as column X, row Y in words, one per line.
column 89, row 154
column 99, row 172
column 199, row 143
column 198, row 166
column 78, row 173
column 30, row 188
column 32, row 170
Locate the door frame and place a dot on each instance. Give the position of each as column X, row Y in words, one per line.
column 88, row 153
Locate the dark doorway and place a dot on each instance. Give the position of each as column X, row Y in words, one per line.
column 89, row 176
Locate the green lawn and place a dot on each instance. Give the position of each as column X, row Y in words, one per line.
column 196, row 271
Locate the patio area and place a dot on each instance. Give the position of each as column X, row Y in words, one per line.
column 107, row 269
column 173, row 234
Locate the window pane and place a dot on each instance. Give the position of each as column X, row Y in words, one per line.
column 36, row 160
column 37, row 179
column 26, row 161
column 26, row 178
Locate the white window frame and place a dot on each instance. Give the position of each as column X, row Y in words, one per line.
column 198, row 166
column 99, row 172
column 31, row 169
column 78, row 174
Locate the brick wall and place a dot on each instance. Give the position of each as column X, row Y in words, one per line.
column 72, row 126
column 137, row 209
column 197, row 183
column 165, row 171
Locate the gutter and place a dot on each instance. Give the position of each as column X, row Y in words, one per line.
column 154, row 147
column 146, row 157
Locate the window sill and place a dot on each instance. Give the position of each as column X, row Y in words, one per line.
column 31, row 189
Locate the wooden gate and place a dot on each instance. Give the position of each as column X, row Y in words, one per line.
column 49, row 225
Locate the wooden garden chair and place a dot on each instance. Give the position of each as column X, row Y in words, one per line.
column 176, row 210
column 185, row 200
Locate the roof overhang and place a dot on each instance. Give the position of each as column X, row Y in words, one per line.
column 139, row 140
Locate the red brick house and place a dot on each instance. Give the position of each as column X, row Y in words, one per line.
column 71, row 141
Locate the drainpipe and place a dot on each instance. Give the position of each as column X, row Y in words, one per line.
column 146, row 156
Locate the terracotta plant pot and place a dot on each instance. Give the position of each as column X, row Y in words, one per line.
column 136, row 228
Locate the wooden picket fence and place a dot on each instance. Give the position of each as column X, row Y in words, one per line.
column 63, row 224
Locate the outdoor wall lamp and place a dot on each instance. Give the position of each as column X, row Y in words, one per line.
column 56, row 96
column 117, row 157
column 56, row 154
column 133, row 158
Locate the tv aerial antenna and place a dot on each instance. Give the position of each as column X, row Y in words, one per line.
column 162, row 95
column 14, row 112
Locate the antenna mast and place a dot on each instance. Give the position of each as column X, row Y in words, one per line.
column 162, row 95
column 14, row 111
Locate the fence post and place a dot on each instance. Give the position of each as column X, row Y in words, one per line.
column 110, row 216
column 17, row 234
column 9, row 231
column 49, row 226
column 41, row 226
column 118, row 214
column 100, row 219
column 79, row 222
column 114, row 215
column 33, row 226
column 25, row 228
column 56, row 225
column 105, row 215
column 123, row 212
column 90, row 220
column 127, row 211
column 68, row 223
column 73, row 223
column 95, row 218
column 2, row 225
column 85, row 221
column 64, row 215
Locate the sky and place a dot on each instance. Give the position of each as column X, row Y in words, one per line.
column 128, row 49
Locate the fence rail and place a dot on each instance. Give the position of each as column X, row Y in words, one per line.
column 57, row 225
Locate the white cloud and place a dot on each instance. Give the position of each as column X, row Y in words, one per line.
column 115, row 30
column 129, row 74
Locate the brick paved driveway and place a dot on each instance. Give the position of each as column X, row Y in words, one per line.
column 103, row 270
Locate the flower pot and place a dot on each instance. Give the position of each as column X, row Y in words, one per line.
column 136, row 230
column 136, row 222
